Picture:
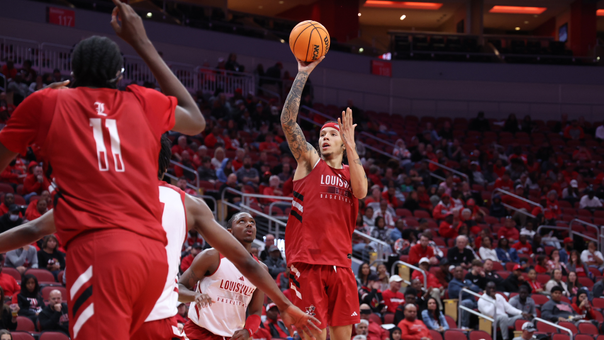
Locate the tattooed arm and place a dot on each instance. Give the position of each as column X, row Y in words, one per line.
column 358, row 178
column 303, row 152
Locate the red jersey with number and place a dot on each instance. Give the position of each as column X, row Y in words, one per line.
column 101, row 148
column 322, row 218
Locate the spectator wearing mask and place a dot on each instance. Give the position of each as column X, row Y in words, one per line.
column 467, row 299
column 8, row 315
column 274, row 262
column 555, row 309
column 11, row 219
column 29, row 299
column 506, row 313
column 274, row 323
column 50, row 257
column 54, row 316
column 524, row 302
column 392, row 296
column 411, row 327
column 460, row 254
column 593, row 257
column 22, row 258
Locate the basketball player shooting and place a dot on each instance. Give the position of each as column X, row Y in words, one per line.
column 318, row 236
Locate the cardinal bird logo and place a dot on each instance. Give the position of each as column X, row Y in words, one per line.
column 310, row 310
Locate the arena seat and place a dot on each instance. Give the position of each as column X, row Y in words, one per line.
column 588, row 328
column 583, row 337
column 586, row 282
column 546, row 328
column 22, row 336
column 518, row 324
column 6, row 188
column 389, row 318
column 53, row 336
column 454, row 335
column 450, row 321
column 434, row 335
column 12, row 272
column 25, row 324
column 44, row 276
column 540, row 299
column 560, row 337
column 569, row 325
column 480, row 335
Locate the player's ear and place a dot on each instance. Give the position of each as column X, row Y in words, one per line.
column 230, row 231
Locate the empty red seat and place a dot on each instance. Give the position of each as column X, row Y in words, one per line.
column 480, row 335
column 434, row 335
column 546, row 328
column 53, row 336
column 25, row 324
column 403, row 212
column 560, row 337
column 421, row 214
column 585, row 281
column 539, row 299
column 12, row 272
column 6, row 188
column 588, row 328
column 43, row 275
column 571, row 326
column 22, row 336
column 455, row 335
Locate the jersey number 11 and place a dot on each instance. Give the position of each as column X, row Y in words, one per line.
column 101, row 151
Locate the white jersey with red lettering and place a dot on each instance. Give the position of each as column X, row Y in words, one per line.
column 231, row 293
column 174, row 221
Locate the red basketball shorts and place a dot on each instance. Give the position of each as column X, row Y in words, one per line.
column 114, row 278
column 194, row 332
column 164, row 329
column 328, row 293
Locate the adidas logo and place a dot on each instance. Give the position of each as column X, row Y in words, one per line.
column 241, row 278
column 354, row 314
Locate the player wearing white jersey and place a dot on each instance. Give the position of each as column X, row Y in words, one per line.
column 183, row 213
column 222, row 295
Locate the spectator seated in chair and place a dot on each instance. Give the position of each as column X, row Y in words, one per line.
column 29, row 299
column 433, row 317
column 555, row 309
column 506, row 313
column 374, row 331
column 22, row 258
column 411, row 327
column 275, row 262
column 461, row 255
column 11, row 219
column 54, row 316
column 392, row 296
column 528, row 329
column 274, row 323
column 467, row 299
column 524, row 302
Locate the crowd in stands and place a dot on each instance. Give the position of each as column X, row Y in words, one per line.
column 448, row 223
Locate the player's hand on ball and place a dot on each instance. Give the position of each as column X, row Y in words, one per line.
column 203, row 300
column 347, row 128
column 308, row 67
column 293, row 316
column 241, row 334
column 127, row 24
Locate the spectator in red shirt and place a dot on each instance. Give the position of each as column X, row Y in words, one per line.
column 499, row 168
column 422, row 249
column 423, row 198
column 574, row 131
column 213, row 138
column 269, row 145
column 376, row 196
column 274, row 323
column 273, row 190
column 7, row 282
column 9, row 70
column 11, row 174
column 374, row 331
column 523, row 247
column 202, row 152
column 188, row 260
column 508, row 230
column 182, row 185
column 390, row 196
column 41, row 209
column 434, row 288
column 392, row 296
column 182, row 314
column 238, row 161
column 505, row 182
column 553, row 205
column 185, row 160
column 180, row 147
column 443, row 208
column 446, row 228
column 9, row 199
column 34, row 182
column 411, row 327
column 582, row 154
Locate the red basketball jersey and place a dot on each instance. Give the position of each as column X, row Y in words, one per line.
column 322, row 218
column 101, row 148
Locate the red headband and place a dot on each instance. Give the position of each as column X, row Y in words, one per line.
column 331, row 125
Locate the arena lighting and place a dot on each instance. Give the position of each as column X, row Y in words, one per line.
column 517, row 10
column 405, row 4
column 600, row 12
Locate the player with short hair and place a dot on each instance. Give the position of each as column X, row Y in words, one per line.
column 221, row 293
column 318, row 237
column 180, row 213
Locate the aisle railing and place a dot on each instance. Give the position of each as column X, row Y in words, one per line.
column 488, row 299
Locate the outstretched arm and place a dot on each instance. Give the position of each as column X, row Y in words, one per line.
column 358, row 178
column 303, row 152
column 200, row 218
column 189, row 119
column 27, row 233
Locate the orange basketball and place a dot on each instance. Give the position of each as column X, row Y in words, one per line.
column 309, row 41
